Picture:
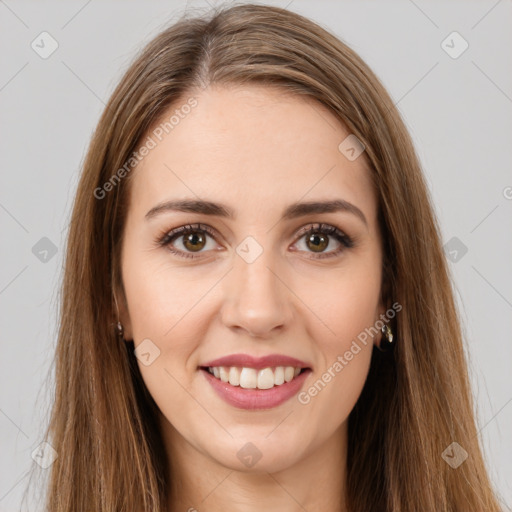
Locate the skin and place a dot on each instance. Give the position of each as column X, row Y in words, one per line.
column 257, row 151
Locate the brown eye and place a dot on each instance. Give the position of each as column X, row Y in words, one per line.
column 317, row 242
column 319, row 237
column 190, row 239
column 194, row 241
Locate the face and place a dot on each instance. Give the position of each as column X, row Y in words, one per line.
column 255, row 280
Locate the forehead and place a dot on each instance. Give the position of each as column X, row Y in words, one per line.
column 251, row 147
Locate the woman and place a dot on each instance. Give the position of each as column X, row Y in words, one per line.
column 256, row 309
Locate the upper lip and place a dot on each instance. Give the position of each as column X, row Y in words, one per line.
column 247, row 361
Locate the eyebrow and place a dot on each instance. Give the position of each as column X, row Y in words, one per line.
column 291, row 212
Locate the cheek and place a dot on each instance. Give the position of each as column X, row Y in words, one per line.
column 160, row 297
column 344, row 302
column 330, row 394
column 162, row 304
column 342, row 329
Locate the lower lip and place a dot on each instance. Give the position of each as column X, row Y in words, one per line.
column 256, row 398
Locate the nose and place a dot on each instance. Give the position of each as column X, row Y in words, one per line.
column 256, row 298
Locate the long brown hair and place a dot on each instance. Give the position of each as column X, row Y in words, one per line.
column 416, row 401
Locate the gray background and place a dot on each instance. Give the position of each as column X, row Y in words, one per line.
column 457, row 109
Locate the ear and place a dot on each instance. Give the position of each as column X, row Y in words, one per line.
column 124, row 315
column 380, row 314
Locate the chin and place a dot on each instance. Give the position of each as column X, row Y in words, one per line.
column 257, row 452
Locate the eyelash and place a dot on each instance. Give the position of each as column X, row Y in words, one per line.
column 167, row 237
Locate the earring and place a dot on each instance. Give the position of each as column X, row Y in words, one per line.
column 119, row 330
column 386, row 342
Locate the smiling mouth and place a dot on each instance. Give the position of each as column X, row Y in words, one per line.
column 251, row 378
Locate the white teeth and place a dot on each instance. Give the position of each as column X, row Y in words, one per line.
column 234, row 376
column 250, row 378
column 279, row 376
column 288, row 373
column 265, row 378
column 224, row 374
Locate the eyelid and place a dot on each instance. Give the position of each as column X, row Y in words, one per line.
column 317, row 226
column 167, row 235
